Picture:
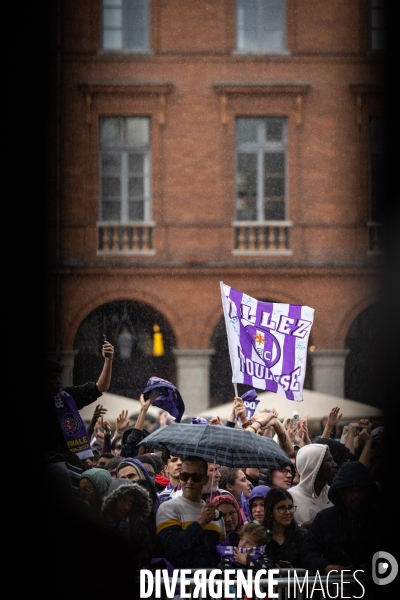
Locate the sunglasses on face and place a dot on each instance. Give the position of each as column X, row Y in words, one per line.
column 118, row 447
column 196, row 477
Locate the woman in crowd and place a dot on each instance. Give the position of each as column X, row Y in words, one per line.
column 284, row 536
column 235, row 481
column 230, row 510
column 253, row 507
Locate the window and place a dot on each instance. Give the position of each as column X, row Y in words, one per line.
column 125, row 165
column 377, row 164
column 260, row 25
column 378, row 24
column 126, row 24
column 260, row 169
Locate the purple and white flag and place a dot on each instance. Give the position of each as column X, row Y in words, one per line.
column 267, row 342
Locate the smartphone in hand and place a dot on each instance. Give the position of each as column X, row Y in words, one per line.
column 104, row 338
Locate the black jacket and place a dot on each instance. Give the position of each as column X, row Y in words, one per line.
column 334, row 537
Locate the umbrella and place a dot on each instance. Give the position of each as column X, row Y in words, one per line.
column 227, row 446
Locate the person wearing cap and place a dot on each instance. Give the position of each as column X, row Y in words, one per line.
column 132, row 469
column 346, row 535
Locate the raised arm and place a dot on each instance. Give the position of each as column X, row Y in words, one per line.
column 123, row 422
column 352, row 432
column 104, row 381
column 98, row 412
column 283, row 438
column 144, row 407
column 333, row 419
column 365, row 456
column 302, row 431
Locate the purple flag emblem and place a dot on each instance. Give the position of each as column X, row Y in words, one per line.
column 267, row 342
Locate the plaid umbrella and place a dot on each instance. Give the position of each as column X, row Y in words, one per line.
column 227, row 446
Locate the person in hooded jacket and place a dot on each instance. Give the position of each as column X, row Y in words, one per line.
column 346, row 535
column 93, row 486
column 125, row 510
column 133, row 469
column 316, row 468
column 253, row 507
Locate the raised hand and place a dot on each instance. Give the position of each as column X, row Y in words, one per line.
column 302, row 432
column 240, row 409
column 291, row 431
column 266, row 417
column 163, row 418
column 98, row 412
column 215, row 421
column 123, row 422
column 106, row 426
column 334, row 417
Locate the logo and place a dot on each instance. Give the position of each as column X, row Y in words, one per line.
column 265, row 344
column 70, row 424
column 384, row 568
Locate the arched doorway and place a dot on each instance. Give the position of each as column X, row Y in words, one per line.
column 134, row 329
column 221, row 386
column 363, row 362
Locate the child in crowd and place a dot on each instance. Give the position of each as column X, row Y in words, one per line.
column 245, row 549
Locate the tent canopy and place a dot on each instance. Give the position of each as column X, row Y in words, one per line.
column 316, row 404
column 115, row 405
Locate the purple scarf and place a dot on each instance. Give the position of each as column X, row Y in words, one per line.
column 170, row 401
column 72, row 426
column 199, row 421
column 255, row 552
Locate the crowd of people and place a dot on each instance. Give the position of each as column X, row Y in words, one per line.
column 152, row 510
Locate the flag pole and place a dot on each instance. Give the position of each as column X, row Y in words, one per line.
column 235, row 386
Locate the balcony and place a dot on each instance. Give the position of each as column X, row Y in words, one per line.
column 262, row 237
column 375, row 238
column 134, row 237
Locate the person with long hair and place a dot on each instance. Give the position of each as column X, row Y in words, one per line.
column 234, row 481
column 284, row 536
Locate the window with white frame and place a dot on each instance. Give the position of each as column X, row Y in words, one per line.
column 125, row 169
column 261, row 148
column 378, row 24
column 260, row 25
column 126, row 25
column 377, row 162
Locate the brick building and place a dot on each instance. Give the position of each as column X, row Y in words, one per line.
column 199, row 141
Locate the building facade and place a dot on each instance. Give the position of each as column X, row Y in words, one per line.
column 200, row 141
